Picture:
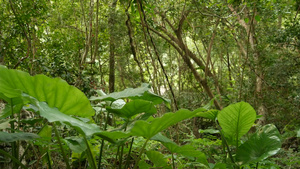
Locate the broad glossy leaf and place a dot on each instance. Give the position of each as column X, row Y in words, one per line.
column 76, row 144
column 261, row 145
column 113, row 135
column 144, row 165
column 142, row 92
column 56, row 92
column 149, row 129
column 187, row 151
column 117, row 104
column 134, row 107
column 161, row 138
column 87, row 129
column 158, row 159
column 4, row 124
column 11, row 137
column 10, row 100
column 236, row 120
column 46, row 132
column 54, row 115
column 7, row 110
column 210, row 114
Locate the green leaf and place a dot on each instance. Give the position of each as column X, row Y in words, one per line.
column 211, row 114
column 298, row 133
column 54, row 115
column 261, row 145
column 46, row 132
column 187, row 151
column 157, row 159
column 56, row 92
column 10, row 100
column 144, row 165
column 257, row 18
column 112, row 136
column 236, row 120
column 246, row 20
column 11, row 137
column 134, row 107
column 161, row 138
column 7, row 110
column 220, row 166
column 76, row 144
column 210, row 131
column 4, row 124
column 87, row 129
column 148, row 130
column 142, row 92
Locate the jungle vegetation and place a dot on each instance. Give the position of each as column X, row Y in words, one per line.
column 149, row 84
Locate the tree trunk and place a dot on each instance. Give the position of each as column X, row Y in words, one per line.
column 132, row 44
column 187, row 54
column 111, row 24
column 88, row 26
column 250, row 29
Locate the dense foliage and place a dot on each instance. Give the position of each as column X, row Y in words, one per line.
column 229, row 69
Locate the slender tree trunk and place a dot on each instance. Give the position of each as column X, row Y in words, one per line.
column 187, row 54
column 132, row 44
column 229, row 69
column 250, row 29
column 26, row 32
column 96, row 33
column 88, row 37
column 111, row 24
column 145, row 24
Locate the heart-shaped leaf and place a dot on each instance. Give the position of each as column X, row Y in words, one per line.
column 84, row 128
column 236, row 120
column 11, row 137
column 46, row 132
column 134, row 107
column 187, row 151
column 261, row 145
column 4, row 124
column 142, row 92
column 210, row 114
column 158, row 159
column 76, row 144
column 56, row 92
column 149, row 129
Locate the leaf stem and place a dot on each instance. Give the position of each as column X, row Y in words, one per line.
column 102, row 142
column 13, row 144
column 173, row 161
column 225, row 142
column 61, row 147
column 16, row 161
column 128, row 157
column 89, row 153
column 140, row 154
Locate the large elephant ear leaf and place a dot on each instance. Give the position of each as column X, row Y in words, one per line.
column 143, row 92
column 55, row 91
column 11, row 137
column 134, row 107
column 236, row 120
column 150, row 129
column 261, row 145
